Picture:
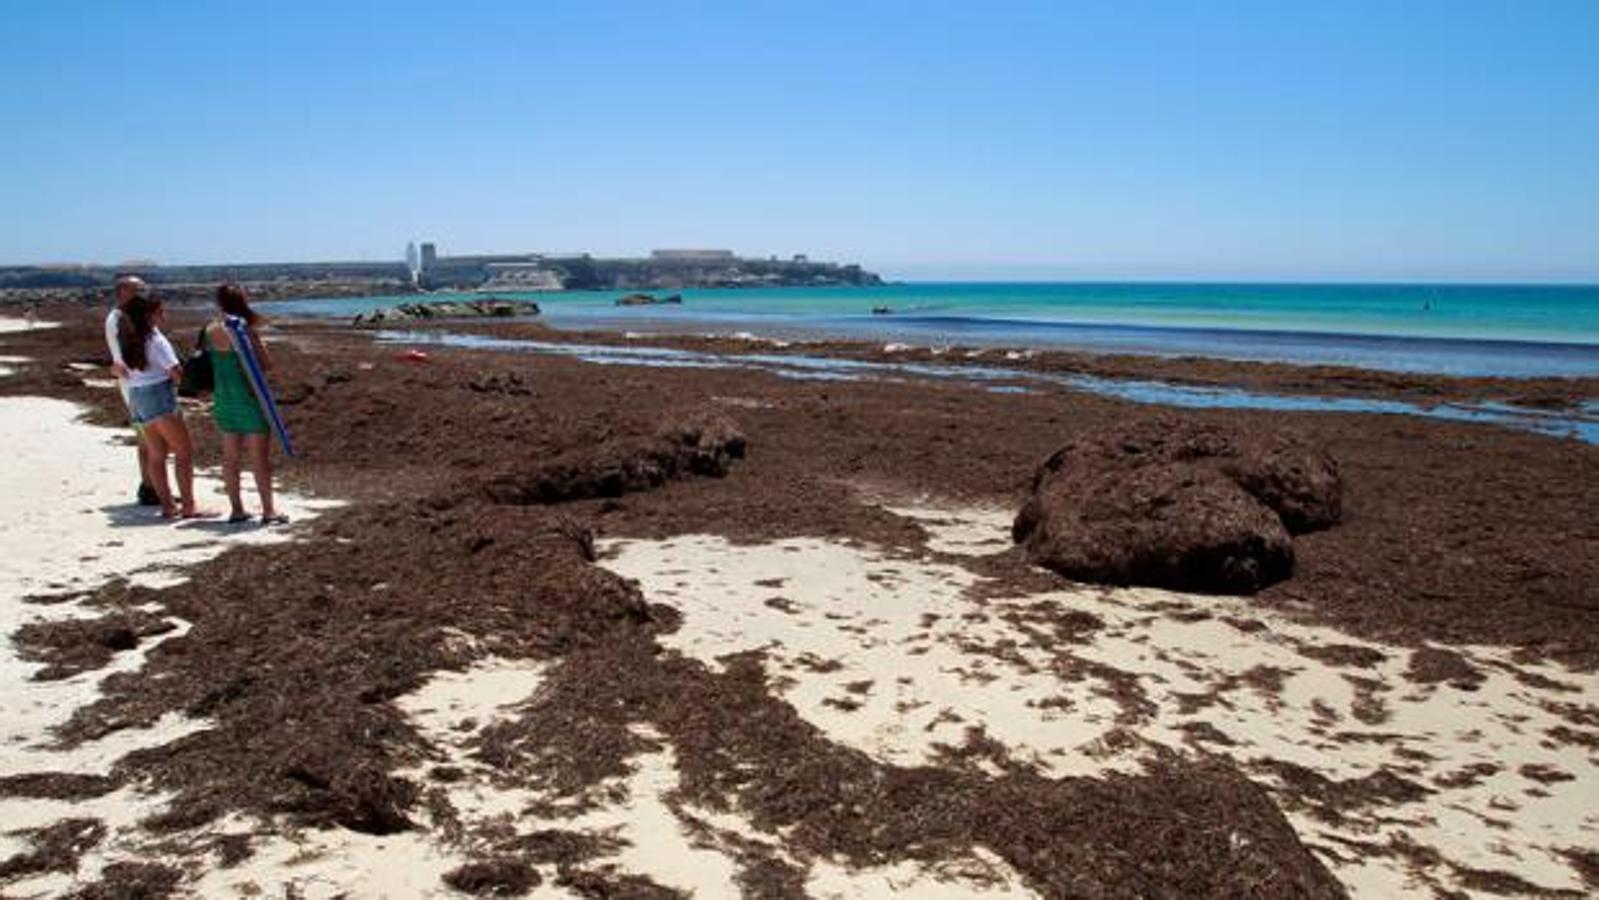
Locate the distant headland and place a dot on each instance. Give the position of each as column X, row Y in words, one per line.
column 424, row 269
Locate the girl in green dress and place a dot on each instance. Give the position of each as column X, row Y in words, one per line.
column 234, row 408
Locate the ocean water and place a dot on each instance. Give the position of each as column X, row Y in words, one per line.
column 1514, row 330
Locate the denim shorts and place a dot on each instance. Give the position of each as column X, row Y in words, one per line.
column 152, row 401
column 127, row 401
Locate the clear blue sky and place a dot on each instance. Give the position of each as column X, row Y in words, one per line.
column 1346, row 140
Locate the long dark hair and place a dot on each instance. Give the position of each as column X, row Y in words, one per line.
column 134, row 327
column 231, row 300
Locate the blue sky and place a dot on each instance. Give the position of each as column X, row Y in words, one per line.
column 1391, row 140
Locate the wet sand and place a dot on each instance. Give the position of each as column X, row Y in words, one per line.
column 824, row 674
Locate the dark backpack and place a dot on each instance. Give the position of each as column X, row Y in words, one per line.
column 198, row 377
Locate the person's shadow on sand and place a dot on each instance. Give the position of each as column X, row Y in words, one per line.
column 219, row 525
column 133, row 515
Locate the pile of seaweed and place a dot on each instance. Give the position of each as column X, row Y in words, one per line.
column 297, row 652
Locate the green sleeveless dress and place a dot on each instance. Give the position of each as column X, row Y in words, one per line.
column 233, row 404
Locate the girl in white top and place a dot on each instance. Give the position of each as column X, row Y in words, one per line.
column 153, row 376
column 128, row 287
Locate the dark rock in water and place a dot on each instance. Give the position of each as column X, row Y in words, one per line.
column 882, row 310
column 649, row 300
column 1173, row 504
column 449, row 309
column 704, row 443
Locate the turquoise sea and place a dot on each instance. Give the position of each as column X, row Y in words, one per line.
column 1517, row 330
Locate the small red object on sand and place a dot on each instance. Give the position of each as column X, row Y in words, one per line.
column 413, row 356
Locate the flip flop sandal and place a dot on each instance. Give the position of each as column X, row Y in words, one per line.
column 279, row 519
column 239, row 518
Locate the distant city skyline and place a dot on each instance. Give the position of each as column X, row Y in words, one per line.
column 1358, row 141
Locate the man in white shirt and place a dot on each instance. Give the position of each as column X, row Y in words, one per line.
column 128, row 287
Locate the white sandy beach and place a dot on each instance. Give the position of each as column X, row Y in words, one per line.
column 890, row 656
column 893, row 655
column 70, row 528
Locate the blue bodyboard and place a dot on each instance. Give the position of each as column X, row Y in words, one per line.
column 257, row 379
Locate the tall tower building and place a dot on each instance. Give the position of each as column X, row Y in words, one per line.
column 430, row 256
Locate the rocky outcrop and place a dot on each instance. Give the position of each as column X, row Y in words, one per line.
column 1175, row 504
column 449, row 309
column 591, row 274
column 649, row 300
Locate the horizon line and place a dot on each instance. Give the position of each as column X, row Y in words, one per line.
column 1417, row 281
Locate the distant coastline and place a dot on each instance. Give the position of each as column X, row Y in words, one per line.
column 426, row 271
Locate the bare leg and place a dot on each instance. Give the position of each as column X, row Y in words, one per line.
column 175, row 435
column 183, row 456
column 155, row 450
column 143, row 457
column 260, row 449
column 231, row 445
